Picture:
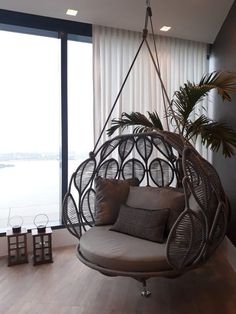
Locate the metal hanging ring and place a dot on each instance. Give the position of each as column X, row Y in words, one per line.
column 41, row 227
column 16, row 221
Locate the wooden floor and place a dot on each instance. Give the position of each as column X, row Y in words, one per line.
column 67, row 286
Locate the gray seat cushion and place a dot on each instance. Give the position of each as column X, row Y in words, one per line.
column 122, row 252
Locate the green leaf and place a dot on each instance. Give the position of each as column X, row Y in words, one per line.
column 194, row 128
column 186, row 99
column 156, row 122
column 215, row 135
column 138, row 120
column 223, row 82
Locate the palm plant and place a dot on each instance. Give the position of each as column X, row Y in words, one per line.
column 213, row 134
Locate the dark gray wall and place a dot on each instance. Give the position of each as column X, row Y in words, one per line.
column 223, row 57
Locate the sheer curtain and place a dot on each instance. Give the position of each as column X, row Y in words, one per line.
column 114, row 50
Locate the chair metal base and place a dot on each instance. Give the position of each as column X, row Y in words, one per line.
column 145, row 293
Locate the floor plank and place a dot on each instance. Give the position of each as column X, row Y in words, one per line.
column 69, row 287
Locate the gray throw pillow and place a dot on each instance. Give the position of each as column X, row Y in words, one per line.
column 110, row 194
column 158, row 198
column 142, row 223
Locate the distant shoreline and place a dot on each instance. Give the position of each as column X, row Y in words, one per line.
column 11, row 157
column 6, row 165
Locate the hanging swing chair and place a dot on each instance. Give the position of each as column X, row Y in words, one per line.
column 145, row 205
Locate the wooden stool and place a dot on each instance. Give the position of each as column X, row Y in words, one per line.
column 42, row 246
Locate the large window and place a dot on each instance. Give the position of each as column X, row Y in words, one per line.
column 31, row 173
column 80, row 91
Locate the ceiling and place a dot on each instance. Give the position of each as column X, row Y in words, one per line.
column 198, row 20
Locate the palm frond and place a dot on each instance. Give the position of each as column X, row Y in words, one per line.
column 140, row 122
column 194, row 128
column 217, row 134
column 213, row 134
column 154, row 117
column 186, row 98
column 223, row 82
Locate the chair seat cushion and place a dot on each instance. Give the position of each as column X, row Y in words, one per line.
column 118, row 251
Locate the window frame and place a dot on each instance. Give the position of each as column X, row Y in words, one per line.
column 64, row 30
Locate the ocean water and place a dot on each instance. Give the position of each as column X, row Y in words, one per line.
column 28, row 188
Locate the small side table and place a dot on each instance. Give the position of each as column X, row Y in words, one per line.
column 17, row 247
column 42, row 246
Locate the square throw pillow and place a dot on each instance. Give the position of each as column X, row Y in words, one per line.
column 158, row 198
column 110, row 194
column 142, row 223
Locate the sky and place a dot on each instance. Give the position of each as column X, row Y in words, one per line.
column 30, row 95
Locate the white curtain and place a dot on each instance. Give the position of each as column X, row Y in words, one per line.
column 114, row 50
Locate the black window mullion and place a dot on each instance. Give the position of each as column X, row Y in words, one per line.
column 64, row 114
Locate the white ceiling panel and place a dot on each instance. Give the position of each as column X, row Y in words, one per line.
column 198, row 20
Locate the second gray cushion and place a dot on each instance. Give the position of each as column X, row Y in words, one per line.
column 142, row 223
column 158, row 198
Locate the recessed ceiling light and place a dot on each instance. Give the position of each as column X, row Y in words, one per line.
column 165, row 28
column 72, row 12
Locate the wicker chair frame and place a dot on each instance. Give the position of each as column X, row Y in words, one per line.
column 156, row 159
